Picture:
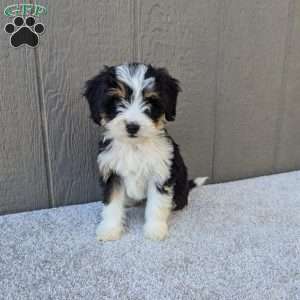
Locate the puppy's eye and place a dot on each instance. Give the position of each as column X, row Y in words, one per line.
column 151, row 99
column 154, row 109
column 148, row 108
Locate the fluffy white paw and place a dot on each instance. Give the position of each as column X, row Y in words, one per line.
column 108, row 233
column 156, row 230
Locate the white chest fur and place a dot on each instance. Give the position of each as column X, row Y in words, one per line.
column 138, row 163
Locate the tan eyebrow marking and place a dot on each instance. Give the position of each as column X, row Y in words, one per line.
column 149, row 94
column 119, row 91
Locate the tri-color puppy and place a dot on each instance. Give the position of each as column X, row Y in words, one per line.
column 137, row 158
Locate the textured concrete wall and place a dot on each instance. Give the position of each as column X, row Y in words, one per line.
column 238, row 115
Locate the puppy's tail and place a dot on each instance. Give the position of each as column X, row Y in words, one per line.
column 197, row 182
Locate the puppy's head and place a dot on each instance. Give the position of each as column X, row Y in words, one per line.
column 132, row 101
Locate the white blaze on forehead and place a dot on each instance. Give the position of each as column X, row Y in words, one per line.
column 134, row 77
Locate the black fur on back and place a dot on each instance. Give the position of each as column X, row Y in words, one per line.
column 178, row 179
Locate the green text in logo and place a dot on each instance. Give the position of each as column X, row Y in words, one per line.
column 24, row 9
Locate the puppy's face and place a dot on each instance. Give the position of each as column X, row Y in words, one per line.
column 132, row 101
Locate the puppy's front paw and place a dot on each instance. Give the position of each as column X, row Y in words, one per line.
column 156, row 230
column 108, row 233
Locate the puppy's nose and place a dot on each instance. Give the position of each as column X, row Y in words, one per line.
column 132, row 128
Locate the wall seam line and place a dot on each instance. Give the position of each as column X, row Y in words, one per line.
column 134, row 22
column 137, row 30
column 217, row 96
column 44, row 129
column 283, row 87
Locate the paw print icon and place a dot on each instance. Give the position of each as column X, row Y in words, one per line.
column 24, row 31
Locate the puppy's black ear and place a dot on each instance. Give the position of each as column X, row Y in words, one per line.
column 96, row 92
column 169, row 89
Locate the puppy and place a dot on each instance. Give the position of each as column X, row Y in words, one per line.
column 137, row 158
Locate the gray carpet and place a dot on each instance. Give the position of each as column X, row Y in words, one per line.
column 238, row 240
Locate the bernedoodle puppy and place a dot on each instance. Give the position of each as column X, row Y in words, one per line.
column 137, row 158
